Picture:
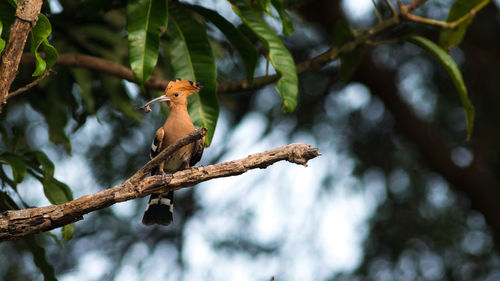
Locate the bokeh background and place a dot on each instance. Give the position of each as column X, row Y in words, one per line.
column 396, row 195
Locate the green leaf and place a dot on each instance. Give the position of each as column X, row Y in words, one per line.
column 6, row 202
column 349, row 63
column 6, row 179
column 55, row 238
column 280, row 57
column 2, row 42
column 453, row 37
column 104, row 42
column 192, row 59
column 146, row 21
column 245, row 47
column 50, row 54
column 83, row 78
column 90, row 8
column 342, row 33
column 57, row 192
column 285, row 18
column 264, row 5
column 13, row 3
column 17, row 164
column 40, row 258
column 44, row 161
column 55, row 104
column 7, row 16
column 13, row 139
column 119, row 98
column 68, row 231
column 451, row 67
column 39, row 34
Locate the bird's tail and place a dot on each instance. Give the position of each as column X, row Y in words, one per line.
column 160, row 209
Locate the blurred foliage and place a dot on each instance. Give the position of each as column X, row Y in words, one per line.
column 421, row 227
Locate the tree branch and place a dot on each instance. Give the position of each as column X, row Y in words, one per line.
column 391, row 7
column 100, row 65
column 16, row 224
column 155, row 83
column 26, row 17
column 30, row 85
column 414, row 5
column 449, row 25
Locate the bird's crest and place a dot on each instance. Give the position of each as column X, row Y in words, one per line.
column 178, row 85
column 174, row 87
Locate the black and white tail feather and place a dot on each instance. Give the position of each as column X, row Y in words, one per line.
column 160, row 208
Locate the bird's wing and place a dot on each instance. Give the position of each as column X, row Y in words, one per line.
column 156, row 147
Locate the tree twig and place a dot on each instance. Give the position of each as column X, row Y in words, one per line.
column 393, row 10
column 415, row 18
column 377, row 12
column 30, row 85
column 414, row 5
column 400, row 4
column 26, row 17
column 16, row 224
column 443, row 24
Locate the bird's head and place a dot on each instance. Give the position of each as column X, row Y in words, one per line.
column 176, row 93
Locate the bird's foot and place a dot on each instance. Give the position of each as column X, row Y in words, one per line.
column 164, row 178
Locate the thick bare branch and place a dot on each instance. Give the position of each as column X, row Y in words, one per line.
column 99, row 65
column 16, row 224
column 26, row 17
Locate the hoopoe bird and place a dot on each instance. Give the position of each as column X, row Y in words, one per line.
column 160, row 207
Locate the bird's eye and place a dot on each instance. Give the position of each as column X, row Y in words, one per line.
column 176, row 94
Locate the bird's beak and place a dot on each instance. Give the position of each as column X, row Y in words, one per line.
column 147, row 107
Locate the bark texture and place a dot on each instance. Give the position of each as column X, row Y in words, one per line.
column 26, row 17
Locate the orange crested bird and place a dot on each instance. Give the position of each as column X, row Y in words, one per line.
column 160, row 207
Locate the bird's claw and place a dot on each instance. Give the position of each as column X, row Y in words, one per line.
column 164, row 177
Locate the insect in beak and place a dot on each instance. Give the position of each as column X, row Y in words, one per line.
column 147, row 107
